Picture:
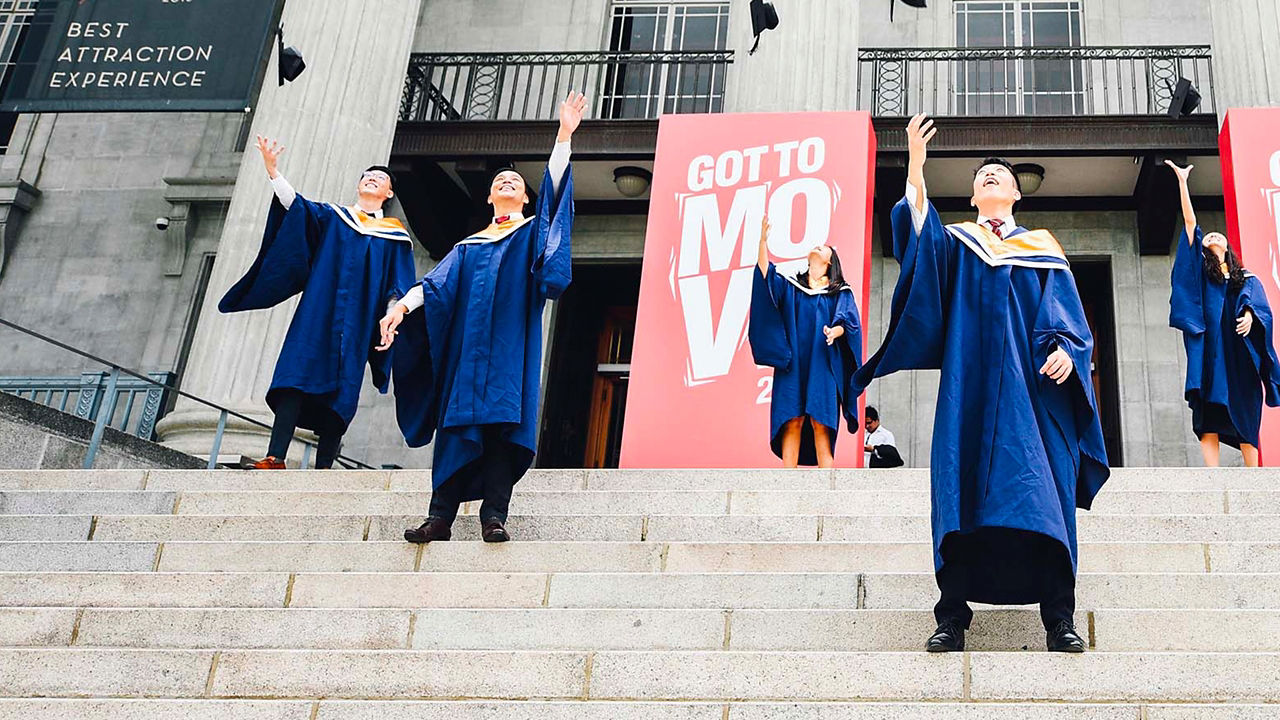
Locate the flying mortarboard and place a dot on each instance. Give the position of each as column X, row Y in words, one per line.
column 763, row 17
column 913, row 3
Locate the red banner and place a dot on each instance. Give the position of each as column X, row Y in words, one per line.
column 1250, row 149
column 695, row 397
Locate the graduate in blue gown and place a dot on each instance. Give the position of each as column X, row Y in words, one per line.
column 468, row 365
column 1017, row 443
column 806, row 327
column 349, row 263
column 1226, row 325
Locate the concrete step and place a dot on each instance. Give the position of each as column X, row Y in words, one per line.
column 1093, row 527
column 693, row 480
column 838, row 591
column 1124, row 502
column 554, row 556
column 641, row 675
column 616, row 629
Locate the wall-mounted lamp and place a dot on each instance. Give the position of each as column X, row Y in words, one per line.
column 632, row 181
column 1030, row 175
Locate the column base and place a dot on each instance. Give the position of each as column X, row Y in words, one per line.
column 192, row 431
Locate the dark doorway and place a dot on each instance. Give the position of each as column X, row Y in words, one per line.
column 590, row 365
column 1093, row 278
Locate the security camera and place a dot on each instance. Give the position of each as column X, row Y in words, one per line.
column 162, row 223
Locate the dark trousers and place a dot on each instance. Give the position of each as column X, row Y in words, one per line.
column 1054, row 581
column 288, row 412
column 495, row 470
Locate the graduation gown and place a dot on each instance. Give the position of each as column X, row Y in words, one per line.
column 348, row 267
column 473, row 355
column 1228, row 376
column 809, row 377
column 1011, row 448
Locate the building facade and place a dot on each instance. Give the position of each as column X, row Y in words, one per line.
column 448, row 90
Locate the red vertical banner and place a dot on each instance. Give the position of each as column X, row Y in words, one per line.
column 695, row 398
column 1250, row 147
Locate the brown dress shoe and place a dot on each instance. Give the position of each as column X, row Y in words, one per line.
column 493, row 531
column 268, row 463
column 432, row 529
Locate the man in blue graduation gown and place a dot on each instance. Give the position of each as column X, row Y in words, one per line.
column 1017, row 444
column 469, row 364
column 349, row 263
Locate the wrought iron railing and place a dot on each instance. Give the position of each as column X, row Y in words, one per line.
column 137, row 404
column 117, row 377
column 529, row 86
column 1030, row 81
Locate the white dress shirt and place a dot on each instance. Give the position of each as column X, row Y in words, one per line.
column 881, row 436
column 557, row 166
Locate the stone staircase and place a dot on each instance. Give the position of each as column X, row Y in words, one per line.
column 627, row 595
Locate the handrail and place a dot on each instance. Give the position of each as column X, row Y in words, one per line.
column 104, row 414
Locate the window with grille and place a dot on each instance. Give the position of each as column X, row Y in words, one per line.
column 15, row 16
column 1015, row 86
column 663, row 82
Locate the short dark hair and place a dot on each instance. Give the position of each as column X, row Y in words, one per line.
column 871, row 413
column 385, row 169
column 1005, row 163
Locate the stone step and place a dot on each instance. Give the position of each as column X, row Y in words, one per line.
column 880, row 591
column 642, row 557
column 1136, row 502
column 698, row 480
column 616, row 629
column 1093, row 527
column 641, row 675
column 94, row 709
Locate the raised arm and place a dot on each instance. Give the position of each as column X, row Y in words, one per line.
column 271, row 152
column 763, row 258
column 1188, row 212
column 919, row 132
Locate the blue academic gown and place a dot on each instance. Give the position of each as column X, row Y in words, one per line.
column 810, row 378
column 348, row 267
column 1227, row 375
column 1011, row 448
column 473, row 355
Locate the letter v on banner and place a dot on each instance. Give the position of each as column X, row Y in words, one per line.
column 696, row 398
column 1250, row 149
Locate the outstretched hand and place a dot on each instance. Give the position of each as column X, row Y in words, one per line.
column 919, row 132
column 571, row 111
column 1181, row 172
column 1058, row 366
column 833, row 334
column 1244, row 324
column 271, row 152
column 387, row 327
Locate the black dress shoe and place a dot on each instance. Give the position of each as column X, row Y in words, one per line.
column 949, row 637
column 432, row 529
column 493, row 531
column 1063, row 638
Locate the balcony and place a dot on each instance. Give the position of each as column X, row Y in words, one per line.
column 1024, row 81
column 529, row 86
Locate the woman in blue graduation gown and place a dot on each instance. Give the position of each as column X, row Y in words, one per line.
column 806, row 328
column 1226, row 325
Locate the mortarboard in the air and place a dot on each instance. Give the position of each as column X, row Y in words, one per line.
column 763, row 17
column 913, row 3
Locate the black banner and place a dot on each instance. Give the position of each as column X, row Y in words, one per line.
column 143, row 55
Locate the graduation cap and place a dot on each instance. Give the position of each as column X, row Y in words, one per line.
column 1185, row 99
column 763, row 17
column 291, row 62
column 913, row 3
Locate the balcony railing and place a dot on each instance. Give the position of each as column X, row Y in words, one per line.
column 136, row 406
column 529, row 86
column 1030, row 81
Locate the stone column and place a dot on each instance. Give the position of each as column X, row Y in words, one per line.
column 810, row 62
column 1246, row 53
column 338, row 118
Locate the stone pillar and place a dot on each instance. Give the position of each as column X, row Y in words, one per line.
column 810, row 62
column 335, row 120
column 1246, row 53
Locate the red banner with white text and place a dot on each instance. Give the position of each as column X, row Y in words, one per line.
column 695, row 398
column 1250, row 146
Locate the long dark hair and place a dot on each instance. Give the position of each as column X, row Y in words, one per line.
column 835, row 275
column 1235, row 270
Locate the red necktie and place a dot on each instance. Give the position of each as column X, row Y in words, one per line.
column 501, row 219
column 997, row 227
